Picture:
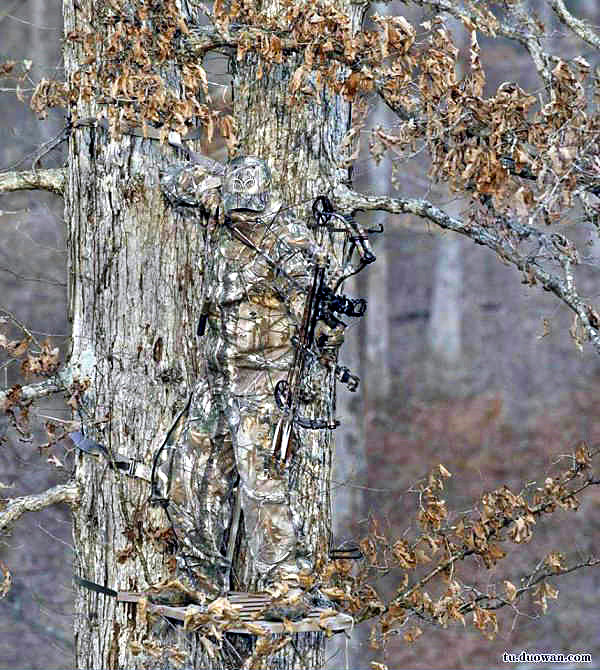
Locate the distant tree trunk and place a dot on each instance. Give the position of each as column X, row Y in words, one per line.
column 350, row 473
column 444, row 337
column 377, row 366
column 444, row 328
column 134, row 285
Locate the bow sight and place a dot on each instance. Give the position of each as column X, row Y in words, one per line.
column 329, row 302
column 342, row 304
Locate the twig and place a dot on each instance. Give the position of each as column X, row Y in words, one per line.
column 497, row 603
column 22, row 326
column 41, row 280
column 528, row 40
column 48, row 146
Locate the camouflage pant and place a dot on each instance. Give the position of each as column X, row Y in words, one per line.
column 229, row 427
column 197, row 475
column 264, row 491
column 202, row 487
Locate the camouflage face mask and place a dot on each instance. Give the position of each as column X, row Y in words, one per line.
column 246, row 185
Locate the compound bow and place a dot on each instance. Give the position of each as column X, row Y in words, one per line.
column 322, row 304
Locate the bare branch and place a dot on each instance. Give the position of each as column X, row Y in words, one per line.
column 63, row 493
column 576, row 25
column 495, row 602
column 486, row 601
column 504, row 243
column 22, row 326
column 530, row 40
column 52, row 180
column 31, row 392
column 204, row 38
column 41, row 280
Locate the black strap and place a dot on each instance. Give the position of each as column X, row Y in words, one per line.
column 130, row 467
column 92, row 586
column 352, row 553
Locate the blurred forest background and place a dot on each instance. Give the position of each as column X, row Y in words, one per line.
column 460, row 365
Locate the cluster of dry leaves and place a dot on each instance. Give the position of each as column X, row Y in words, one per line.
column 427, row 566
column 527, row 159
column 36, row 359
column 134, row 71
column 526, row 155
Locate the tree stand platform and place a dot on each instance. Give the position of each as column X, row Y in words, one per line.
column 250, row 614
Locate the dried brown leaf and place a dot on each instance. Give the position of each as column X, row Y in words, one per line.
column 412, row 634
column 511, row 590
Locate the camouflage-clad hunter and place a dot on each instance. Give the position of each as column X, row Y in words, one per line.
column 258, row 267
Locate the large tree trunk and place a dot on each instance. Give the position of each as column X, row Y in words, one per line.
column 135, row 277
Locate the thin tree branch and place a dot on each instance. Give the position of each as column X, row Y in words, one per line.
column 531, row 41
column 14, row 510
column 31, row 392
column 486, row 601
column 504, row 243
column 52, row 180
column 576, row 25
column 495, row 602
column 204, row 38
column 22, row 326
column 41, row 280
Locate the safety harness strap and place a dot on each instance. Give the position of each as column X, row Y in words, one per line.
column 129, row 466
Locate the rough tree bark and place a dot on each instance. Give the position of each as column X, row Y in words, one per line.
column 134, row 286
